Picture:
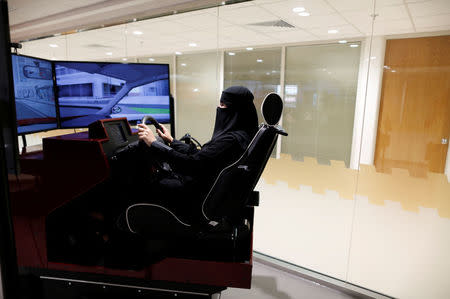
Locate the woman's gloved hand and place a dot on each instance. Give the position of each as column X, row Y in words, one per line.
column 165, row 134
column 145, row 134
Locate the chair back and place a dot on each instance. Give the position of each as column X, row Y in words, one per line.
column 231, row 190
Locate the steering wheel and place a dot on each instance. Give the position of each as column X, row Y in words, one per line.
column 153, row 121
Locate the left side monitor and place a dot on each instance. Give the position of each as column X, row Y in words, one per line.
column 34, row 94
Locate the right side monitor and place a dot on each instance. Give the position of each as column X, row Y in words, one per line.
column 89, row 91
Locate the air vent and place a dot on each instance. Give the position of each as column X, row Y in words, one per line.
column 276, row 23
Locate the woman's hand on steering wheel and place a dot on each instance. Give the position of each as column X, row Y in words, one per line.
column 165, row 134
column 145, row 134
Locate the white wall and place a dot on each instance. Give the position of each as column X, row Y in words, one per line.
column 368, row 101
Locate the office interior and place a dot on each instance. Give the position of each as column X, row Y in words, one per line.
column 359, row 192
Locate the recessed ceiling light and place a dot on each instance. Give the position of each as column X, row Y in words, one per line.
column 53, row 45
column 134, row 20
column 333, row 31
column 124, row 59
column 304, row 14
column 249, row 49
column 298, row 9
column 108, row 53
column 394, row 71
column 151, row 59
column 231, row 53
column 342, row 41
column 195, row 89
column 354, row 46
column 223, row 3
column 192, row 45
column 259, row 60
column 178, row 53
column 274, row 71
column 267, row 73
column 137, row 32
column 183, row 64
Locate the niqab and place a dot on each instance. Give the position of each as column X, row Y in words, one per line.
column 239, row 117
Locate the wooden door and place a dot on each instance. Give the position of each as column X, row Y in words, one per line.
column 414, row 119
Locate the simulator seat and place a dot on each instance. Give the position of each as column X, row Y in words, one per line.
column 227, row 210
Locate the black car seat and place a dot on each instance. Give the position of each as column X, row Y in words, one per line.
column 225, row 208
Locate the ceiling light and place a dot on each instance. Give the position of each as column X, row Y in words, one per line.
column 53, row 45
column 137, row 32
column 342, row 41
column 298, row 9
column 304, row 14
column 231, row 53
column 124, row 59
column 151, row 59
column 134, row 20
column 192, row 45
column 354, row 46
column 274, row 71
column 333, row 31
column 393, row 71
column 373, row 58
column 223, row 2
column 183, row 64
column 178, row 53
column 259, row 60
column 249, row 49
column 108, row 53
column 195, row 89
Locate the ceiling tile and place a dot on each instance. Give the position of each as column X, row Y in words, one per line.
column 248, row 15
column 440, row 20
column 344, row 31
column 284, row 9
column 317, row 21
column 293, row 36
column 429, row 8
column 361, row 5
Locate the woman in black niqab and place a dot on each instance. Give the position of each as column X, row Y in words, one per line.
column 196, row 169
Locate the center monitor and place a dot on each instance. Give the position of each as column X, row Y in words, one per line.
column 89, row 91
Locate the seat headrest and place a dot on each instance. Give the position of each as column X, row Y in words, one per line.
column 272, row 108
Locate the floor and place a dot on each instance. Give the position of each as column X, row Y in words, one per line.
column 271, row 283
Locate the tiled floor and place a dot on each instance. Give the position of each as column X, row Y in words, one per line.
column 271, row 283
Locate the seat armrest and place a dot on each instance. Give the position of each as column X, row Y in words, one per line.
column 253, row 199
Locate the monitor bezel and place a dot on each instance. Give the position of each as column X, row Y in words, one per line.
column 58, row 125
column 171, row 100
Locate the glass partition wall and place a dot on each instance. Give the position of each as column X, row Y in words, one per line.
column 360, row 189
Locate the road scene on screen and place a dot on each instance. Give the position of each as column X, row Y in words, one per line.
column 91, row 91
column 34, row 97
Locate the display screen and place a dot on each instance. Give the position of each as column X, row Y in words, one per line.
column 34, row 96
column 89, row 91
